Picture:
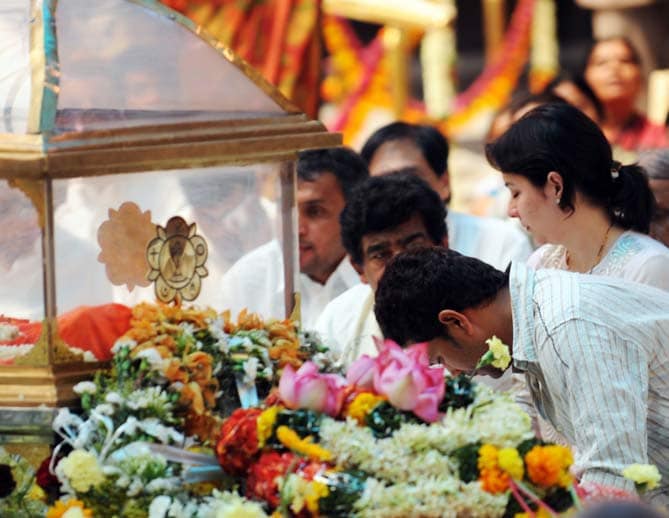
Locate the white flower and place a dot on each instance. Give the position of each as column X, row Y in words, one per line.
column 162, row 484
column 8, row 332
column 155, row 361
column 85, row 387
column 74, row 512
column 123, row 342
column 250, row 367
column 114, row 398
column 159, row 507
column 164, row 434
column 151, row 397
column 188, row 329
column 105, row 409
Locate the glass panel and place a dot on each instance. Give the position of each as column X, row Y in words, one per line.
column 21, row 274
column 122, row 63
column 14, row 65
column 235, row 209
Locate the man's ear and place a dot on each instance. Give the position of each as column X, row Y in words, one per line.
column 456, row 324
column 358, row 268
column 444, row 187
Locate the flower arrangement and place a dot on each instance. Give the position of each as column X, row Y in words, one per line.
column 398, row 438
column 174, row 375
column 201, row 361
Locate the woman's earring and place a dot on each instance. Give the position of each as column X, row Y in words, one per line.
column 557, row 201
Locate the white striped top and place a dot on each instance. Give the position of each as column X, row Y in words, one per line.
column 595, row 351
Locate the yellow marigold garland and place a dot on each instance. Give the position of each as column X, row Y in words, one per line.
column 265, row 424
column 291, row 440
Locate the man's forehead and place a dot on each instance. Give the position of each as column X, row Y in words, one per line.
column 322, row 186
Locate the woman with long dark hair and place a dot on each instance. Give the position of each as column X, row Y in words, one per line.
column 592, row 213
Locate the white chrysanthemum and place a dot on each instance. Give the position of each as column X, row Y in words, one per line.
column 159, row 507
column 85, row 387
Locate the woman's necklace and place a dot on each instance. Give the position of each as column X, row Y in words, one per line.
column 599, row 252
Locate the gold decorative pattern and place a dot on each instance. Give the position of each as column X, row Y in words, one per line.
column 176, row 257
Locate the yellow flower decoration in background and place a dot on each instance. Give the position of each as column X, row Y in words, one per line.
column 362, row 405
column 305, row 447
column 645, row 476
column 549, row 465
column 265, row 424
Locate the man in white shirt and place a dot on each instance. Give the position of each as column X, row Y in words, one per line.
column 399, row 145
column 595, row 350
column 325, row 178
column 383, row 217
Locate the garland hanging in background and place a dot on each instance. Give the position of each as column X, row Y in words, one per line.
column 357, row 81
column 545, row 54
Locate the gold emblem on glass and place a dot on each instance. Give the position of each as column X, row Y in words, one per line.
column 176, row 257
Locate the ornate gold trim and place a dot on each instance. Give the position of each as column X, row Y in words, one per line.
column 50, row 386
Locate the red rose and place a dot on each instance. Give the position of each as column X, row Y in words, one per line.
column 238, row 444
column 44, row 478
column 262, row 480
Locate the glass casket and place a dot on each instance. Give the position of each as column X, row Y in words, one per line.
column 138, row 160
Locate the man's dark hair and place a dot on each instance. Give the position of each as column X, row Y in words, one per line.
column 418, row 284
column 343, row 162
column 429, row 140
column 385, row 202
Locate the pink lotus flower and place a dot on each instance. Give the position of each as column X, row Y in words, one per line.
column 404, row 376
column 361, row 372
column 308, row 388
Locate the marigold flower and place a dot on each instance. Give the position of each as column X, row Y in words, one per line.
column 647, row 476
column 362, row 405
column 509, row 461
column 548, row 465
column 73, row 508
column 305, row 447
column 238, row 444
column 488, row 457
column 265, row 424
column 494, row 480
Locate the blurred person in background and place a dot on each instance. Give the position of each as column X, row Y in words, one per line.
column 402, row 145
column 656, row 165
column 613, row 71
column 325, row 179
